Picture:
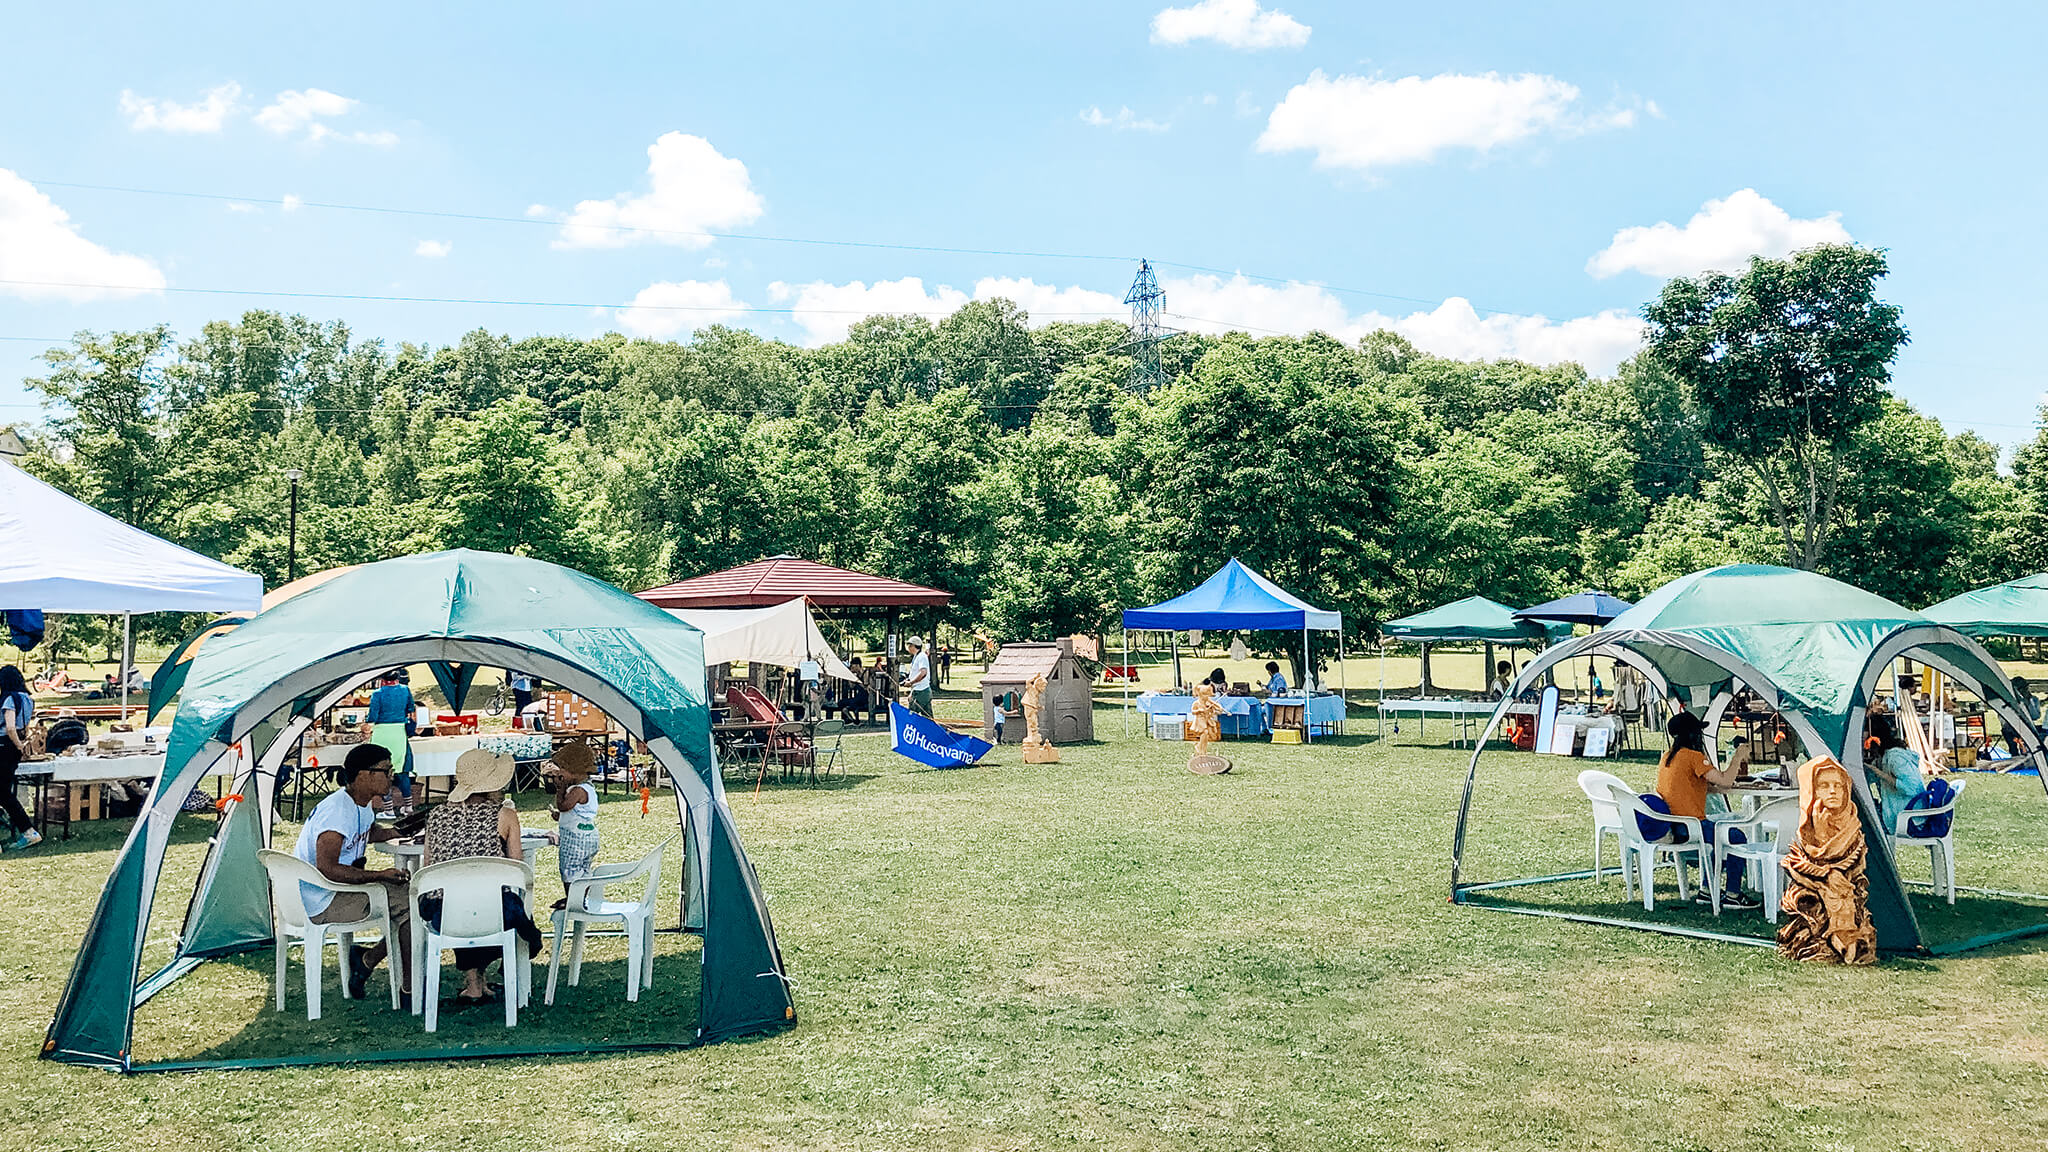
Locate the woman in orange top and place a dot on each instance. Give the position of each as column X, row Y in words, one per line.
column 1682, row 779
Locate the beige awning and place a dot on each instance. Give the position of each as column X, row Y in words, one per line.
column 785, row 634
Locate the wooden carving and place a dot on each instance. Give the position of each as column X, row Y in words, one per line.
column 1205, row 721
column 1827, row 894
column 1037, row 749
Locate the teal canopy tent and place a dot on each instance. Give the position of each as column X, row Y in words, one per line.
column 253, row 692
column 2014, row 608
column 1473, row 618
column 1810, row 647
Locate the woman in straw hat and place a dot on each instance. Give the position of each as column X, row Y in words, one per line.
column 478, row 820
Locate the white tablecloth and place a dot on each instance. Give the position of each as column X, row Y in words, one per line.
column 436, row 755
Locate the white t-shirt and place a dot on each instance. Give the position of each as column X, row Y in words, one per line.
column 338, row 813
column 920, row 663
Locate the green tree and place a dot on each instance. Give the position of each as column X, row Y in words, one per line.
column 490, row 486
column 1787, row 362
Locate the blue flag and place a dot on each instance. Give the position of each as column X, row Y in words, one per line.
column 930, row 742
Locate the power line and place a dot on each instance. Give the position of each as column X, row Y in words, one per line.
column 294, row 203
column 481, row 301
column 626, row 229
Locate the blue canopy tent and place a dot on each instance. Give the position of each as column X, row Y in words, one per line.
column 1235, row 597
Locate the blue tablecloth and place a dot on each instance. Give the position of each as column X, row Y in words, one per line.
column 1321, row 709
column 1242, row 715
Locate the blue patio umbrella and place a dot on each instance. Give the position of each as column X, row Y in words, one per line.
column 1589, row 607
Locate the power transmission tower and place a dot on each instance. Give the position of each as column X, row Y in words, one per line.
column 1148, row 304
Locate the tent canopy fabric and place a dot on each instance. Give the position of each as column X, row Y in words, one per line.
column 1589, row 607
column 1235, row 597
column 2014, row 608
column 58, row 554
column 1473, row 618
column 253, row 692
column 1811, row 647
column 779, row 579
column 785, row 635
column 169, row 679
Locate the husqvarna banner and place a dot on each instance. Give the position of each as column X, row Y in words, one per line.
column 929, row 742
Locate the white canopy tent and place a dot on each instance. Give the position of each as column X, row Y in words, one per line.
column 786, row 635
column 58, row 554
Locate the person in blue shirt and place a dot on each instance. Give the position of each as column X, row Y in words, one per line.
column 1892, row 770
column 391, row 720
column 1276, row 684
column 522, row 691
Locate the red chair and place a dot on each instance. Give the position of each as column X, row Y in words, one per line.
column 790, row 743
column 467, row 720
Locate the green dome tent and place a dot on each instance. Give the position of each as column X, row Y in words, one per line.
column 1812, row 648
column 252, row 693
column 2014, row 608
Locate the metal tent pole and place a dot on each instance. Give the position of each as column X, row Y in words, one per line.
column 1307, row 727
column 1380, row 706
column 1343, row 680
column 127, row 623
column 1126, row 677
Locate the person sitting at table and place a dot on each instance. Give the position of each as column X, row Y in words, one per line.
column 1503, row 679
column 478, row 820
column 1219, row 682
column 1892, row 770
column 1276, row 684
column 2029, row 706
column 1738, row 757
column 337, row 833
column 1682, row 779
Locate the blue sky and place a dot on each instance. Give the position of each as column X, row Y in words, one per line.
column 1491, row 179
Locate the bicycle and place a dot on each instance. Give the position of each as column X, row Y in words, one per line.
column 500, row 699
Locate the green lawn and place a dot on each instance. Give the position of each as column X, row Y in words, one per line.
column 1111, row 952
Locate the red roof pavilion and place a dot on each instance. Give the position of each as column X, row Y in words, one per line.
column 779, row 579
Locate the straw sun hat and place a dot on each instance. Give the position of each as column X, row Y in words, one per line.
column 575, row 756
column 477, row 772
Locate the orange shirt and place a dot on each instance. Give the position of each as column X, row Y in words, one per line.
column 1682, row 782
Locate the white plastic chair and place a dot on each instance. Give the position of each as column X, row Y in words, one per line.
column 1606, row 817
column 472, row 916
column 1768, row 831
column 289, row 921
column 586, row 906
column 1941, row 850
column 1640, row 857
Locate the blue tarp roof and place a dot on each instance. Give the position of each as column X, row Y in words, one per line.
column 1235, row 597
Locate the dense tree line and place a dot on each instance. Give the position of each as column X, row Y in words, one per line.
column 1009, row 464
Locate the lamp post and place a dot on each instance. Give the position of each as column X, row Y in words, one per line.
column 291, row 563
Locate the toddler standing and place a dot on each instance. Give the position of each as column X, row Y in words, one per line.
column 575, row 811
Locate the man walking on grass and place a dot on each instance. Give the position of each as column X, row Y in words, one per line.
column 920, row 681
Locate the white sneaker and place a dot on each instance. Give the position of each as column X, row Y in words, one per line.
column 28, row 839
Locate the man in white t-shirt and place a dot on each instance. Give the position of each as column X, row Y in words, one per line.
column 336, row 837
column 920, row 679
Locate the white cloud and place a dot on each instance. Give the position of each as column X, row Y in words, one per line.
column 1363, row 123
column 670, row 308
column 825, row 310
column 1216, row 304
column 1721, row 236
column 1048, row 302
column 1238, row 24
column 1125, row 120
column 537, row 210
column 290, row 203
column 38, row 243
column 691, row 189
column 433, row 249
column 308, row 110
column 212, row 110
column 1205, row 303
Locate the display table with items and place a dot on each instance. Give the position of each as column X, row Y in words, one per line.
column 1166, row 712
column 1323, row 713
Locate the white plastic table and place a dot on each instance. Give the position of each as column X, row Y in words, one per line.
column 1459, row 711
column 406, row 854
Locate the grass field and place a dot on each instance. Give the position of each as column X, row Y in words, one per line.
column 1110, row 952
